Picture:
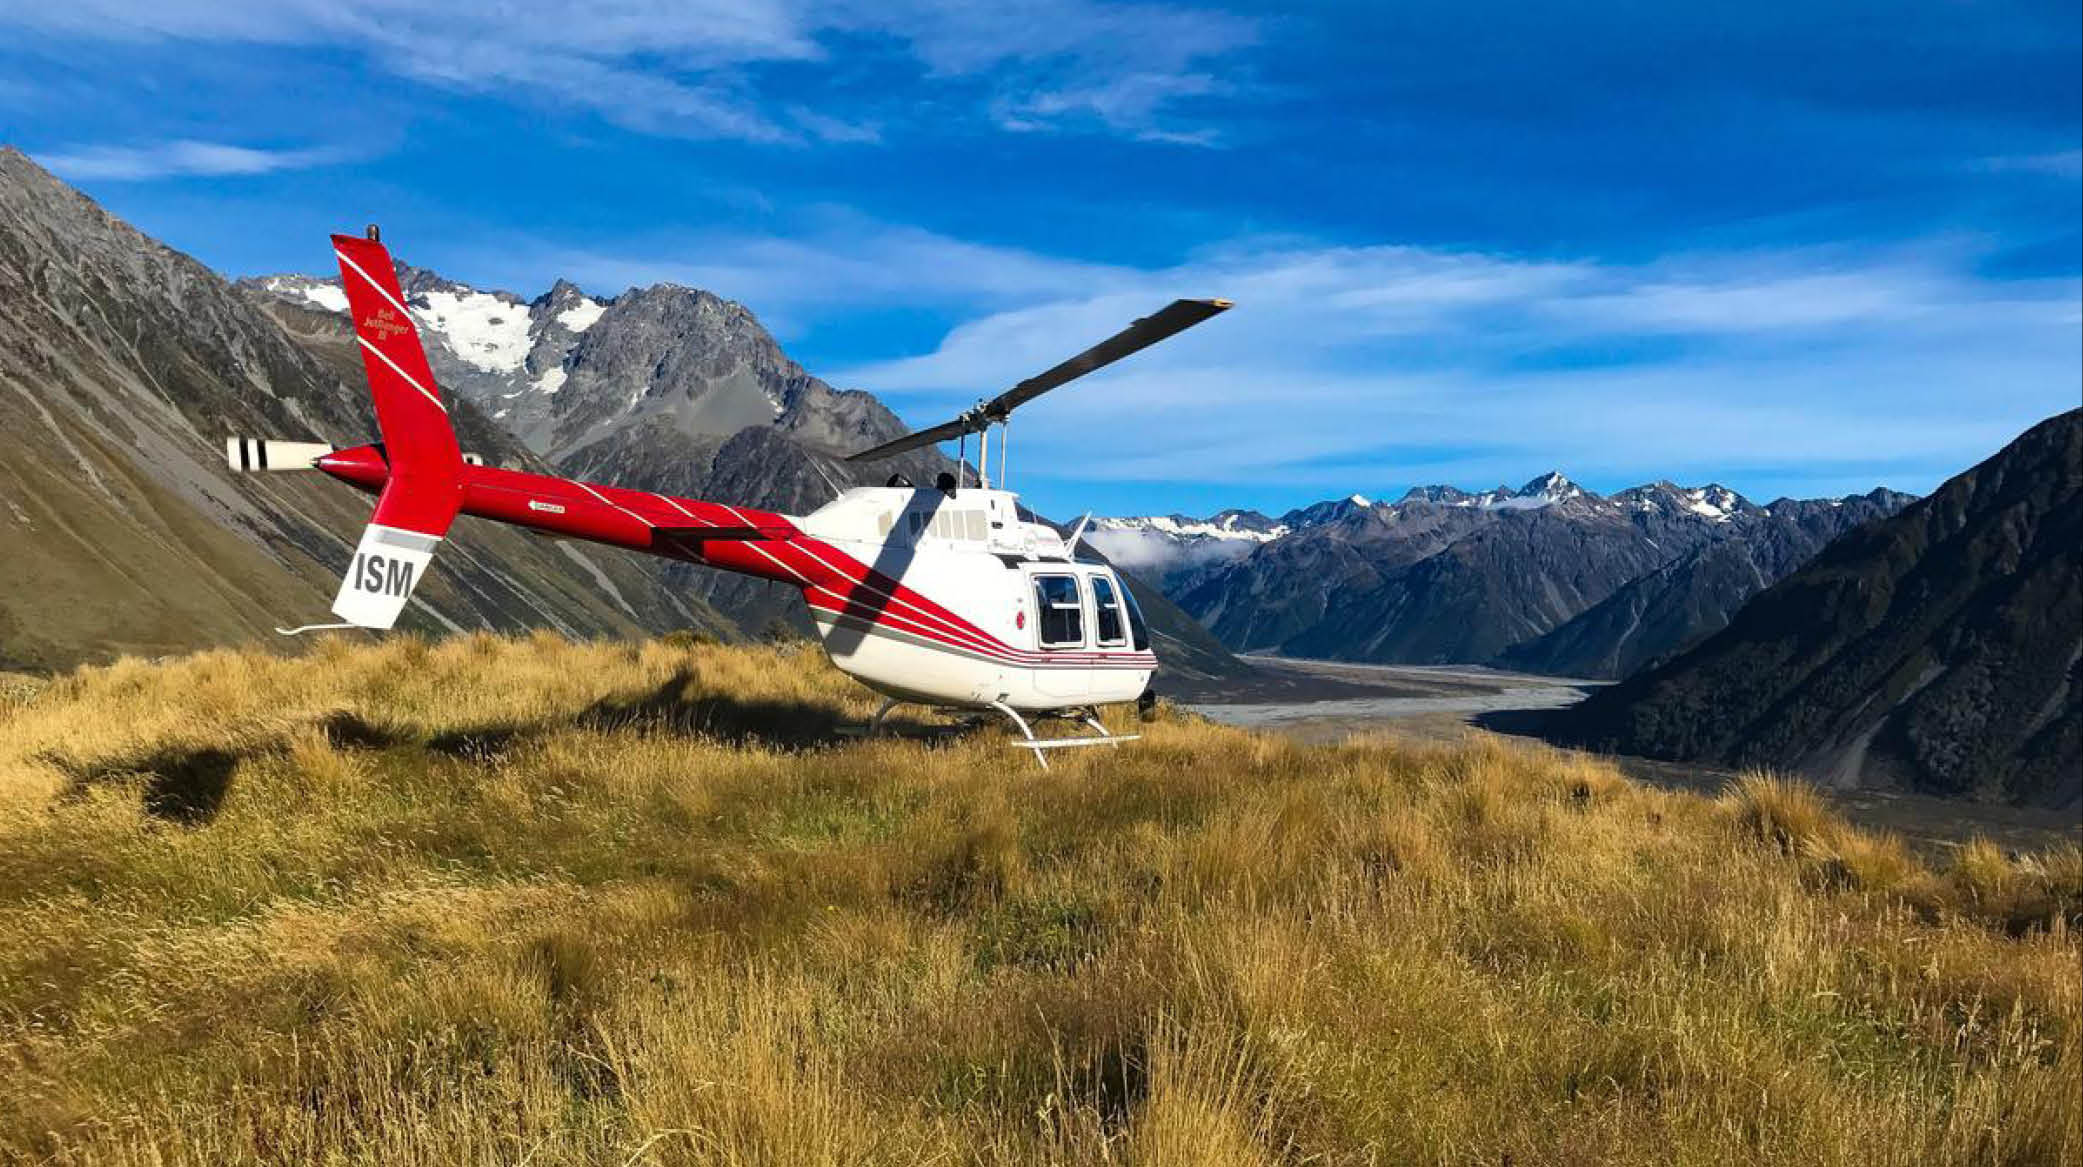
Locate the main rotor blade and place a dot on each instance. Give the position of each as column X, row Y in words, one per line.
column 1174, row 318
column 940, row 433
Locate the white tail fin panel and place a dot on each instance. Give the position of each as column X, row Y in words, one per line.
column 386, row 567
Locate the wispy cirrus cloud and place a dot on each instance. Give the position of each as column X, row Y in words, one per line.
column 2054, row 163
column 1133, row 105
column 180, row 158
column 694, row 68
column 1368, row 367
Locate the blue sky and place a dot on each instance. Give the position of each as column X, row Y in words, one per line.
column 1796, row 248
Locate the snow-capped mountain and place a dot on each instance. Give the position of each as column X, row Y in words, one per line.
column 1547, row 490
column 1161, row 547
column 1713, row 501
column 567, row 370
column 1447, row 574
column 1328, row 511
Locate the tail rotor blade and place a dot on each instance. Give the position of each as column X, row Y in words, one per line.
column 251, row 455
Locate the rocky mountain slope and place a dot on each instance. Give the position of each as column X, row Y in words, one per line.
column 123, row 367
column 1501, row 576
column 1936, row 651
column 1690, row 598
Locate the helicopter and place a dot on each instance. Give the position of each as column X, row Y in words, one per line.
column 949, row 596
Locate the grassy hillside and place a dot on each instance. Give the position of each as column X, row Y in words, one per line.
column 523, row 900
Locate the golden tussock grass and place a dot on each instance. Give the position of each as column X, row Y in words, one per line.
column 523, row 900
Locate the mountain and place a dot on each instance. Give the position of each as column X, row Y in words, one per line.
column 1684, row 601
column 1179, row 551
column 1448, row 576
column 568, row 371
column 1170, row 548
column 123, row 367
column 1935, row 651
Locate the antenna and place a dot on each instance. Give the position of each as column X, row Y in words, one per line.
column 837, row 490
column 1070, row 545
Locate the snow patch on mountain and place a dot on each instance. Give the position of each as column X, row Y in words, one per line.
column 488, row 332
column 319, row 294
column 580, row 316
column 1225, row 526
column 1715, row 502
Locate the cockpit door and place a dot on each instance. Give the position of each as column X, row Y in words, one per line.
column 1062, row 627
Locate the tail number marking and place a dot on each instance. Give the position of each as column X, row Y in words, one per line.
column 381, row 575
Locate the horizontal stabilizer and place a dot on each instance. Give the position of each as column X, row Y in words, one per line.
column 250, row 454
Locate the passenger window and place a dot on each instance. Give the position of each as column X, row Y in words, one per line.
column 1106, row 612
column 973, row 526
column 1061, row 611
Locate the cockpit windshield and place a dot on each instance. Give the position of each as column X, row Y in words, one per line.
column 1138, row 630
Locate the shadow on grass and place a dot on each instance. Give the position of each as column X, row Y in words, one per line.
column 179, row 786
column 678, row 707
column 345, row 729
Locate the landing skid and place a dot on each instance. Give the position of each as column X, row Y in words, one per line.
column 1040, row 746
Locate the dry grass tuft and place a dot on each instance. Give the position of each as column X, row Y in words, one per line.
column 492, row 899
column 1786, row 813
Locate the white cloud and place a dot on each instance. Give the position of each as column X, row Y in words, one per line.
column 178, row 159
column 685, row 66
column 1130, row 105
column 1361, row 368
column 2057, row 164
column 843, row 262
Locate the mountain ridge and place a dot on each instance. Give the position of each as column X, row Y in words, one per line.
column 1550, row 577
column 1937, row 650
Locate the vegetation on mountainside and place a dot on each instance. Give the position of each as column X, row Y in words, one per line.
column 527, row 900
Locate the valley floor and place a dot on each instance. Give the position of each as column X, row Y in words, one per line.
column 1323, row 702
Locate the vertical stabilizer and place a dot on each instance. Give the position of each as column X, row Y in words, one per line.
column 424, row 489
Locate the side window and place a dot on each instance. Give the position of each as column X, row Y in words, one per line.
column 1061, row 611
column 1106, row 614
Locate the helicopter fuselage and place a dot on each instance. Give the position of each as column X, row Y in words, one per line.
column 940, row 598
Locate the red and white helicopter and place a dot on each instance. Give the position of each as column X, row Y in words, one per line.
column 944, row 597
